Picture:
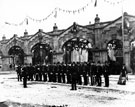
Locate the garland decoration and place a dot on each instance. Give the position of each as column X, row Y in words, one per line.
column 54, row 13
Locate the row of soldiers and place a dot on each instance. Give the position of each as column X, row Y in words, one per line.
column 74, row 73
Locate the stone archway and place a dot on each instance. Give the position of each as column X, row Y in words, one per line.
column 41, row 54
column 115, row 55
column 132, row 56
column 16, row 55
column 77, row 50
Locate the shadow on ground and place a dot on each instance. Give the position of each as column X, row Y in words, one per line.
column 16, row 104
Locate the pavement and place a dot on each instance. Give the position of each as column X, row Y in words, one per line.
column 49, row 94
column 113, row 87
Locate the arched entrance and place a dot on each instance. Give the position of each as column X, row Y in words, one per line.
column 132, row 56
column 115, row 55
column 41, row 54
column 17, row 55
column 77, row 50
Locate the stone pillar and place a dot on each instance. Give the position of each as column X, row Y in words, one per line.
column 126, row 56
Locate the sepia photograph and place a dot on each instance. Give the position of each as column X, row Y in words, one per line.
column 67, row 53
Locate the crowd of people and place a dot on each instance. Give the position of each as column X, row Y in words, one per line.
column 81, row 73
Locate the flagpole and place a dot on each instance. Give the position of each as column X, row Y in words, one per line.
column 123, row 33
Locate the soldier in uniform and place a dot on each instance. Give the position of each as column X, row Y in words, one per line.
column 68, row 73
column 31, row 72
column 59, row 72
column 74, row 76
column 19, row 75
column 106, row 74
column 50, row 72
column 98, row 74
column 79, row 72
column 54, row 72
column 63, row 70
column 44, row 73
column 40, row 72
column 25, row 74
column 85, row 73
column 36, row 72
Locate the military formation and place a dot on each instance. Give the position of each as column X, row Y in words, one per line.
column 81, row 73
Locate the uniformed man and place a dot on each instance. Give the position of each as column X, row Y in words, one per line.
column 54, row 72
column 85, row 70
column 79, row 72
column 106, row 74
column 59, row 72
column 44, row 73
column 98, row 74
column 19, row 74
column 24, row 74
column 74, row 76
column 68, row 73
column 36, row 72
column 63, row 71
column 31, row 72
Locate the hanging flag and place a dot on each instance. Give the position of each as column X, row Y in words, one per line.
column 55, row 15
column 95, row 3
column 27, row 21
column 126, row 23
column 7, row 23
column 111, row 53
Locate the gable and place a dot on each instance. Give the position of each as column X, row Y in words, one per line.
column 35, row 36
column 75, row 31
column 14, row 41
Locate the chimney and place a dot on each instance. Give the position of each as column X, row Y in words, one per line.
column 15, row 35
column 97, row 19
column 40, row 30
column 3, row 37
column 55, row 28
column 25, row 32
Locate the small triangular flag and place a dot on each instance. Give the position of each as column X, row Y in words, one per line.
column 95, row 3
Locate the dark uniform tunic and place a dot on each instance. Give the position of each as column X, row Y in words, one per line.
column 74, row 77
column 106, row 75
column 24, row 74
column 98, row 75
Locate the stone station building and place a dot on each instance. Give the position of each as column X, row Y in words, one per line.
column 76, row 43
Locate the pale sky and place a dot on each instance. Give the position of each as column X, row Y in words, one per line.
column 15, row 11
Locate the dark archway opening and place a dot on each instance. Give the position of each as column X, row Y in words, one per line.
column 17, row 55
column 77, row 50
column 115, row 55
column 41, row 54
column 132, row 56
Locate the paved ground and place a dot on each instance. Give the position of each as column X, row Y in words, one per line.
column 44, row 94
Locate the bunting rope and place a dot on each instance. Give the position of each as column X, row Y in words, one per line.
column 56, row 10
column 114, row 3
column 21, row 23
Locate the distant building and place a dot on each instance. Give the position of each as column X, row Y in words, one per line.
column 101, row 41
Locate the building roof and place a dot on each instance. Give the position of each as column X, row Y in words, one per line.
column 59, row 32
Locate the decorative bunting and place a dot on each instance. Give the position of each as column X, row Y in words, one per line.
column 56, row 10
column 113, row 3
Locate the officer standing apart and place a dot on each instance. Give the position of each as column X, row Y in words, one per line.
column 73, row 76
column 24, row 76
column 106, row 74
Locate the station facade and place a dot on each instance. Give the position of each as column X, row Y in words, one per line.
column 101, row 41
